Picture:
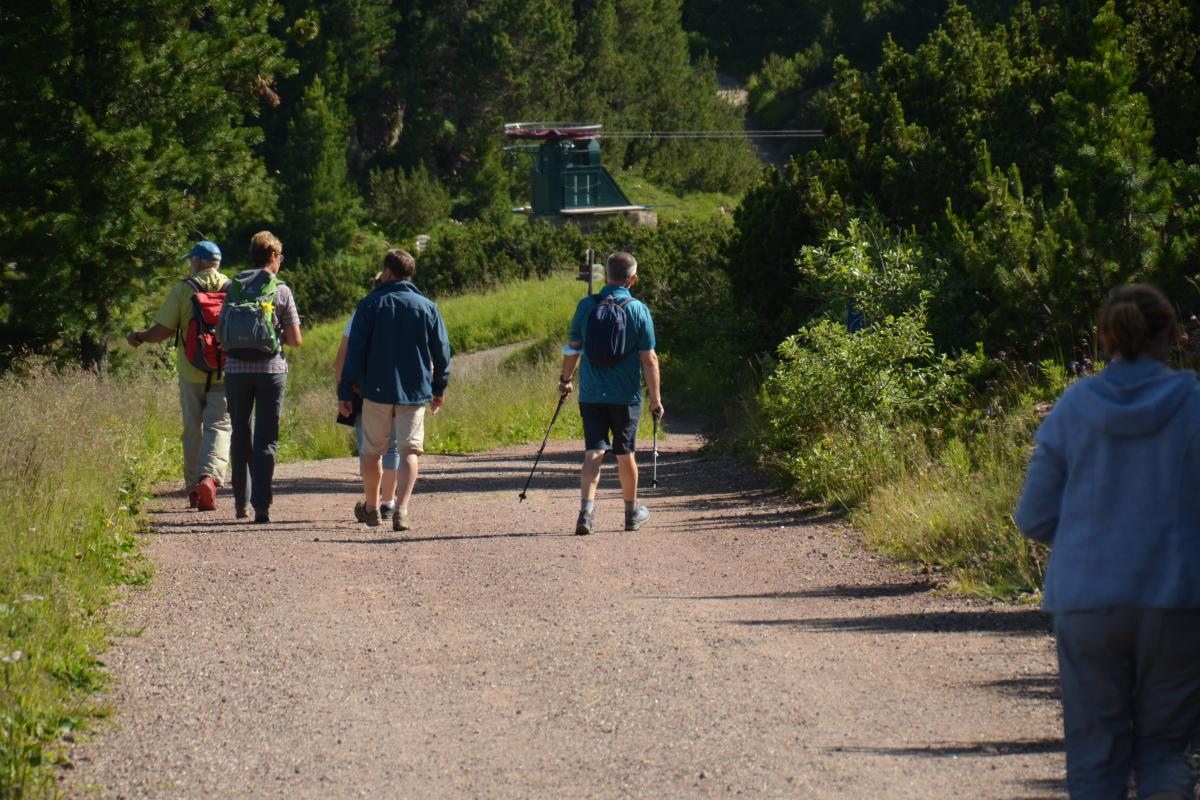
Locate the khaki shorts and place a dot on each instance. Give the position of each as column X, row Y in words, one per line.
column 378, row 421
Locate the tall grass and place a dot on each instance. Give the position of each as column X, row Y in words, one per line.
column 78, row 455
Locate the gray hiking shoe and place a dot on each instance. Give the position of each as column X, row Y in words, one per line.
column 637, row 519
column 583, row 526
column 367, row 516
column 400, row 520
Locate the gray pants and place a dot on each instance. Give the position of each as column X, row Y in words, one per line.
column 1131, row 699
column 205, row 433
column 258, row 396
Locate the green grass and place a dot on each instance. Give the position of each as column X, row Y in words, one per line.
column 671, row 206
column 78, row 456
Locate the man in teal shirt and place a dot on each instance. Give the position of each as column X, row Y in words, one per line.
column 610, row 396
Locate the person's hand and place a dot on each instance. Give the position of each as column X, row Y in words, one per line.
column 657, row 410
column 345, row 408
column 133, row 339
column 564, row 389
column 435, row 405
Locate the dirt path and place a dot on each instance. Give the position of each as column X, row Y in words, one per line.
column 733, row 647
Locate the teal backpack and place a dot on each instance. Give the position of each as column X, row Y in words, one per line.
column 248, row 325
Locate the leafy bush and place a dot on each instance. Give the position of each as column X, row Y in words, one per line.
column 838, row 406
column 323, row 289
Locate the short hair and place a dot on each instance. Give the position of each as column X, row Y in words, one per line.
column 400, row 263
column 620, row 267
column 1135, row 319
column 263, row 247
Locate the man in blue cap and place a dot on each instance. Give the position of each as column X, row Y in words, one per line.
column 206, row 427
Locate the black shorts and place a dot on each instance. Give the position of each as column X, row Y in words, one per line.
column 600, row 418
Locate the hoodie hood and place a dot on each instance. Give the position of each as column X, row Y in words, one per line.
column 1133, row 398
column 252, row 280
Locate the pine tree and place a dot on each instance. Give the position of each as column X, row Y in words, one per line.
column 124, row 138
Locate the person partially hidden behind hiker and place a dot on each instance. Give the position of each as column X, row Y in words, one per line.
column 258, row 318
column 206, row 423
column 615, row 334
column 1111, row 488
column 399, row 354
column 391, row 457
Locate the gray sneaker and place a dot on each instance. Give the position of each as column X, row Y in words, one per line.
column 637, row 519
column 583, row 526
column 400, row 521
column 367, row 516
column 385, row 510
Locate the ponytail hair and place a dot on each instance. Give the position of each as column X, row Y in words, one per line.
column 1137, row 318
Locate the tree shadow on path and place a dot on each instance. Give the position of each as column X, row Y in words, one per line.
column 1011, row 623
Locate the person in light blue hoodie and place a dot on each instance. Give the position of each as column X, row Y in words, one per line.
column 1114, row 488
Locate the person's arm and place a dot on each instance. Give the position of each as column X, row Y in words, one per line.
column 291, row 335
column 166, row 319
column 570, row 359
column 339, row 360
column 653, row 386
column 439, row 348
column 355, row 363
column 646, row 344
column 155, row 333
column 1037, row 511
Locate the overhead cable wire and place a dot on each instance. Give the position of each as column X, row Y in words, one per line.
column 728, row 134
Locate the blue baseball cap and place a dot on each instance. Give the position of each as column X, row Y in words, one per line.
column 205, row 250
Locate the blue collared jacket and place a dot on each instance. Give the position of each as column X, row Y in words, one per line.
column 398, row 352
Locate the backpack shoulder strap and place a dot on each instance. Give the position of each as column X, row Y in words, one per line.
column 195, row 284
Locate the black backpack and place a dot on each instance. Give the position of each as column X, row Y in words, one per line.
column 604, row 337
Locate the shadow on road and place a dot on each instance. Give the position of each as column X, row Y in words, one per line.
column 1015, row 623
column 839, row 591
column 1033, row 687
column 419, row 539
column 1019, row 747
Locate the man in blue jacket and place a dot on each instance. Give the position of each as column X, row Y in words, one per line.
column 398, row 354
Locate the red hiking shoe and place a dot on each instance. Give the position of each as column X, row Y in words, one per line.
column 206, row 494
column 193, row 500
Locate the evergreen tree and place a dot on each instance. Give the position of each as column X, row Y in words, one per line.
column 320, row 205
column 124, row 139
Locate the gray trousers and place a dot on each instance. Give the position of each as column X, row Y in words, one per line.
column 257, row 396
column 205, row 433
column 1131, row 699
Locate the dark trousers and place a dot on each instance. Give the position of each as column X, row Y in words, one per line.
column 252, row 448
column 1131, row 699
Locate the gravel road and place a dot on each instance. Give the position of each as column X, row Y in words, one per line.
column 736, row 646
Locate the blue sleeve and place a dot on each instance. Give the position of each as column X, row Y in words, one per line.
column 439, row 349
column 355, row 366
column 1038, row 509
column 646, row 337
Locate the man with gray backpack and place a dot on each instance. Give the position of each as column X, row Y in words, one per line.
column 615, row 335
column 258, row 318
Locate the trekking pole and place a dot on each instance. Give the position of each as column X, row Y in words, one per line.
column 561, row 398
column 654, row 459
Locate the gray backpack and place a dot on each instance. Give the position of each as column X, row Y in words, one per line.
column 247, row 324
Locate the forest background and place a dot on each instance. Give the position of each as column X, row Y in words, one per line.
column 988, row 173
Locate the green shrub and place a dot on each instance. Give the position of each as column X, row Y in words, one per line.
column 408, row 203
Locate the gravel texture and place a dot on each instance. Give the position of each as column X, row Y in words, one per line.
column 735, row 646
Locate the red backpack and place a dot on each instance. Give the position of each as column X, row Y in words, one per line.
column 200, row 345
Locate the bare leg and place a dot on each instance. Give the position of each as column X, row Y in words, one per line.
column 406, row 478
column 372, row 470
column 590, row 476
column 628, row 472
column 387, row 488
